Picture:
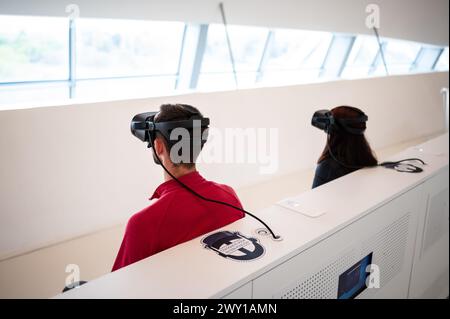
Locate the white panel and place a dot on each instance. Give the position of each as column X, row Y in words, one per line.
column 388, row 232
column 389, row 247
column 322, row 284
column 437, row 219
column 430, row 273
column 244, row 292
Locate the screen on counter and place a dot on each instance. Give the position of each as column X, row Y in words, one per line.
column 353, row 281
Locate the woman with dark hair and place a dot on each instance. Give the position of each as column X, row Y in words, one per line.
column 345, row 151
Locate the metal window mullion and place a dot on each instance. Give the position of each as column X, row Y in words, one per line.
column 347, row 56
column 325, row 59
column 417, row 59
column 264, row 57
column 180, row 59
column 199, row 54
column 31, row 82
column 376, row 60
column 437, row 59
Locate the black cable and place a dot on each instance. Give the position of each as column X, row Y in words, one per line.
column 390, row 164
column 404, row 160
column 190, row 190
column 411, row 168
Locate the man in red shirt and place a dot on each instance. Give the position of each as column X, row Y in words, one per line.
column 177, row 215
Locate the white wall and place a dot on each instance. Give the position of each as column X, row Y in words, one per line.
column 417, row 20
column 71, row 170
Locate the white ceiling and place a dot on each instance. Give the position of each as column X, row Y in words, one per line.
column 424, row 21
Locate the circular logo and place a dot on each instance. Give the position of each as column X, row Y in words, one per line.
column 234, row 245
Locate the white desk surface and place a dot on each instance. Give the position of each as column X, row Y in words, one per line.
column 190, row 271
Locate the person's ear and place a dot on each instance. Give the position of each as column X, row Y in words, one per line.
column 159, row 146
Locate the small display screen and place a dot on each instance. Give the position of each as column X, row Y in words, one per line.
column 353, row 281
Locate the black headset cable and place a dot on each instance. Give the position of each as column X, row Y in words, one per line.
column 190, row 190
column 389, row 164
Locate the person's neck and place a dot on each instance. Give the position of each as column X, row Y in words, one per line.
column 178, row 172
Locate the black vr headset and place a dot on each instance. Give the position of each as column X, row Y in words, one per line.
column 144, row 127
column 324, row 120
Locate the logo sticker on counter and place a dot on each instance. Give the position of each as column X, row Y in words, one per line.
column 234, row 245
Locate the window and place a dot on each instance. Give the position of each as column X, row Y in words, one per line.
column 295, row 56
column 361, row 58
column 442, row 63
column 337, row 54
column 292, row 49
column 247, row 45
column 426, row 59
column 399, row 56
column 33, row 49
column 125, row 58
column 115, row 48
column 51, row 60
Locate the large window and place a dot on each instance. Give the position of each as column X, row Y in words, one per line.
column 292, row 49
column 109, row 48
column 33, row 49
column 46, row 60
column 247, row 44
column 122, row 58
column 399, row 57
column 362, row 56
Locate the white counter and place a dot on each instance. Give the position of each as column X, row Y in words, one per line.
column 191, row 271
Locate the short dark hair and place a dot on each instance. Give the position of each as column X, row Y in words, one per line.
column 178, row 112
column 349, row 148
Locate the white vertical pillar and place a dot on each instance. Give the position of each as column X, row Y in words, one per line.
column 444, row 93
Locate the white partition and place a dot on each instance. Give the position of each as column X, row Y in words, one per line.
column 430, row 276
column 399, row 219
column 388, row 233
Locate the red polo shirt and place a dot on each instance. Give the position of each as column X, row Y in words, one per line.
column 175, row 217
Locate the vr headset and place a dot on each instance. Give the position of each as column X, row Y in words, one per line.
column 144, row 127
column 324, row 120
